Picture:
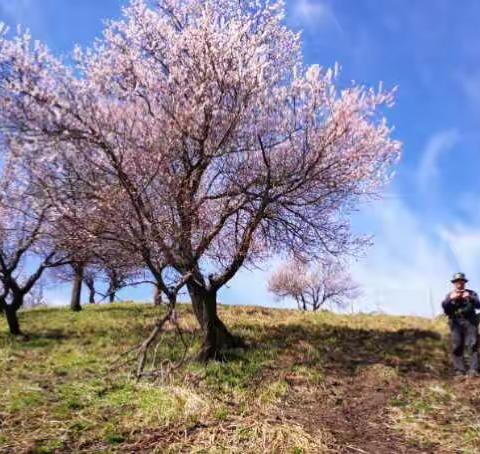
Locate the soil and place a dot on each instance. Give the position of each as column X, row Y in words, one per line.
column 354, row 413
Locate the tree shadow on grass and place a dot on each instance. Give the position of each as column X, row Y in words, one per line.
column 88, row 308
column 341, row 350
column 138, row 308
column 41, row 339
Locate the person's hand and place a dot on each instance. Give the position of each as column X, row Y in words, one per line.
column 466, row 295
column 456, row 294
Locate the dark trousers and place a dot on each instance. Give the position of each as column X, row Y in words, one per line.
column 464, row 335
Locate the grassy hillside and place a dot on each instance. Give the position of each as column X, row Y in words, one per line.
column 310, row 383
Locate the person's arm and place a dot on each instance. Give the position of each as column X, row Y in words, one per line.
column 448, row 305
column 474, row 298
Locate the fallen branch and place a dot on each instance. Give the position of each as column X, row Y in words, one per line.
column 143, row 349
column 140, row 352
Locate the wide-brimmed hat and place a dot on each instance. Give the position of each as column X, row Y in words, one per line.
column 459, row 277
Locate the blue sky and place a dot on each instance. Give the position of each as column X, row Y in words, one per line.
column 428, row 224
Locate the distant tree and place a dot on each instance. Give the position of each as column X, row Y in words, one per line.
column 36, row 298
column 119, row 272
column 197, row 139
column 98, row 264
column 312, row 287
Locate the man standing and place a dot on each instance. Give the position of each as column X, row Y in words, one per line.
column 459, row 305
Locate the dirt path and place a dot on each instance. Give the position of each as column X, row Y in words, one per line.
column 354, row 411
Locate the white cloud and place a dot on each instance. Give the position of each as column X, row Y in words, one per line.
column 464, row 242
column 314, row 13
column 429, row 167
column 407, row 269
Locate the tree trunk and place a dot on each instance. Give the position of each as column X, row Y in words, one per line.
column 210, row 345
column 157, row 296
column 12, row 319
column 75, row 302
column 113, row 287
column 216, row 336
column 304, row 303
column 90, row 283
column 299, row 304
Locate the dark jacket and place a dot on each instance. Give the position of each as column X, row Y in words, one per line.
column 462, row 308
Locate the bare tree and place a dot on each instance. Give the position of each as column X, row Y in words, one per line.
column 312, row 287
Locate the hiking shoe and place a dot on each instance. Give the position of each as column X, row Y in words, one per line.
column 473, row 373
column 458, row 375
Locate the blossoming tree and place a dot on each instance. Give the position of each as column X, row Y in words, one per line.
column 198, row 139
column 313, row 286
column 24, row 236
